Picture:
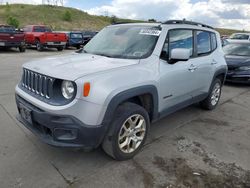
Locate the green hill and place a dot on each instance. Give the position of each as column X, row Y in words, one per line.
column 61, row 18
column 54, row 16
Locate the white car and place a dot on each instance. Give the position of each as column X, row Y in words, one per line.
column 239, row 37
column 125, row 78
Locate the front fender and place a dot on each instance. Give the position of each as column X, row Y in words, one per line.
column 127, row 94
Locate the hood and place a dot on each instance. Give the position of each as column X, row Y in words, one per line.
column 76, row 65
column 237, row 61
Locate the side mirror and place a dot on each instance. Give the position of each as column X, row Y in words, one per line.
column 179, row 54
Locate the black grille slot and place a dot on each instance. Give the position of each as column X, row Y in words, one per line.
column 38, row 84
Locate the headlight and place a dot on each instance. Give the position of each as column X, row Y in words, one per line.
column 245, row 68
column 68, row 89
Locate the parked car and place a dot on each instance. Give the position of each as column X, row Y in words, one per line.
column 75, row 39
column 9, row 38
column 238, row 61
column 224, row 42
column 239, row 37
column 125, row 78
column 42, row 37
column 88, row 35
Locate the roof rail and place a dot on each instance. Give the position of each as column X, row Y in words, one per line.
column 187, row 22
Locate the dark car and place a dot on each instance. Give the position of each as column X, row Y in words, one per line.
column 238, row 61
column 9, row 38
column 75, row 39
column 88, row 35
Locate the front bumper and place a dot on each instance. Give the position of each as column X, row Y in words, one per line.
column 60, row 130
column 238, row 77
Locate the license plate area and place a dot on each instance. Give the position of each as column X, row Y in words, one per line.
column 25, row 113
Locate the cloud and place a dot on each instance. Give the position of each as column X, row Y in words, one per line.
column 218, row 13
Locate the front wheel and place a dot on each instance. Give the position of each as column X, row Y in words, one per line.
column 213, row 98
column 39, row 46
column 128, row 132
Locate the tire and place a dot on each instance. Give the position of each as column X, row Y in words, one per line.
column 78, row 47
column 123, row 131
column 22, row 48
column 39, row 46
column 60, row 49
column 213, row 98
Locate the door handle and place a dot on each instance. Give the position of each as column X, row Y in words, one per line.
column 214, row 62
column 192, row 68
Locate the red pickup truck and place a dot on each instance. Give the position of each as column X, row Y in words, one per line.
column 42, row 36
column 9, row 37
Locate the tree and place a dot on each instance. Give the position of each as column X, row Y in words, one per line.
column 67, row 16
column 13, row 21
column 113, row 19
column 152, row 20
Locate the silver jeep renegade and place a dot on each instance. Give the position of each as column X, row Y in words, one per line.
column 125, row 78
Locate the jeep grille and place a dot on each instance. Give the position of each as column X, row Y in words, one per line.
column 38, row 84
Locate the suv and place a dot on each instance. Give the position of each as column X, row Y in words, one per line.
column 125, row 78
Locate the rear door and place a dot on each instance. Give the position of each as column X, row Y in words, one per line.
column 205, row 45
column 177, row 80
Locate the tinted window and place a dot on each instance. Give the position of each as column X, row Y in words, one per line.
column 214, row 41
column 203, row 42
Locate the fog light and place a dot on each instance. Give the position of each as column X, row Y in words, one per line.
column 65, row 134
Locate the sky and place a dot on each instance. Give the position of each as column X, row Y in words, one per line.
column 233, row 14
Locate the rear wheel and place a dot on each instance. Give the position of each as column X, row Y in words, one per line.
column 128, row 132
column 39, row 46
column 213, row 98
column 22, row 48
column 60, row 49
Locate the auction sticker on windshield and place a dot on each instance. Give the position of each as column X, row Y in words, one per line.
column 153, row 32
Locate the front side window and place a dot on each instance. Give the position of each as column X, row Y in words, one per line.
column 181, row 38
column 128, row 42
column 203, row 43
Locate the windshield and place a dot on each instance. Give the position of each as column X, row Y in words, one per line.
column 76, row 35
column 129, row 42
column 237, row 49
column 239, row 36
column 6, row 29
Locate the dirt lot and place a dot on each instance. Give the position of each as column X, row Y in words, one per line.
column 190, row 148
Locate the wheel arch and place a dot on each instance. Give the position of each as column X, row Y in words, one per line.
column 142, row 95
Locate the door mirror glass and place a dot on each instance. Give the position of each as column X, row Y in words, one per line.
column 180, row 54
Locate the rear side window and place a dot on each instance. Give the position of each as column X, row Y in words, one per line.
column 203, row 43
column 213, row 41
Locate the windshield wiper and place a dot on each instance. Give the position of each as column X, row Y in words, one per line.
column 105, row 55
column 81, row 51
